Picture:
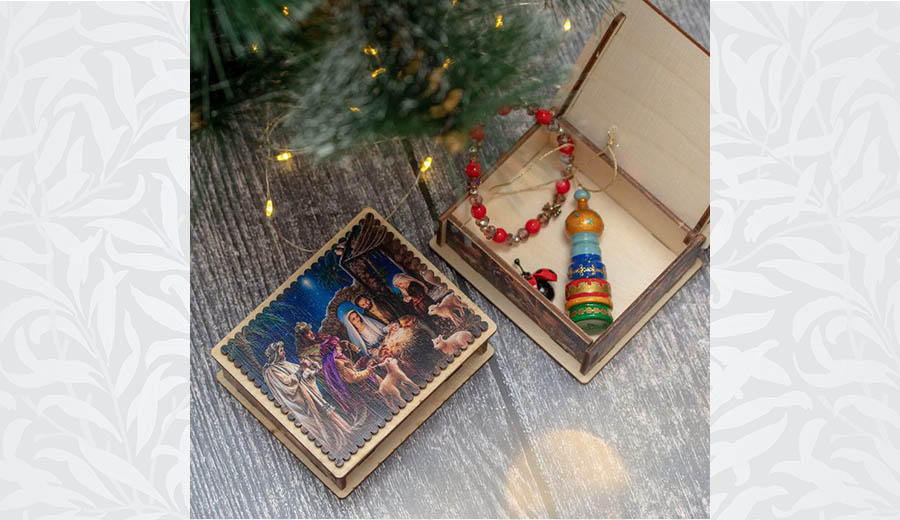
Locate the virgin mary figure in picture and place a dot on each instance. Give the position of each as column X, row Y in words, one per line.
column 362, row 330
column 294, row 387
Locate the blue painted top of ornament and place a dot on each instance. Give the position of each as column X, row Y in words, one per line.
column 582, row 193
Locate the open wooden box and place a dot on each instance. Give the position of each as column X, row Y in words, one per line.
column 640, row 73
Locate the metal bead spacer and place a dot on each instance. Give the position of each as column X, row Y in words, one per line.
column 483, row 222
column 515, row 239
column 476, row 199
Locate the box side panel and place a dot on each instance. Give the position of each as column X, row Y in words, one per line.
column 511, row 284
column 611, row 352
column 632, row 316
column 627, row 192
column 651, row 82
column 279, row 431
column 343, row 486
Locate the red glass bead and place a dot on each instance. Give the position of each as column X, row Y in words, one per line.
column 477, row 132
column 504, row 111
column 500, row 235
column 543, row 117
column 473, row 170
column 533, row 226
column 562, row 186
column 568, row 150
column 479, row 211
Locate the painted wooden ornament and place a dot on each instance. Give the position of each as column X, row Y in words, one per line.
column 588, row 294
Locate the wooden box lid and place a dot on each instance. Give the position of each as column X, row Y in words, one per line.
column 640, row 73
column 342, row 440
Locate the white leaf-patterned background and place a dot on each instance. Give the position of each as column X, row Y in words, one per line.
column 805, row 350
column 94, row 260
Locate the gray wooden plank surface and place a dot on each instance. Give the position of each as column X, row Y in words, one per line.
column 522, row 438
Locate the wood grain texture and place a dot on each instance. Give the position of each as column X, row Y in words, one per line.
column 522, row 438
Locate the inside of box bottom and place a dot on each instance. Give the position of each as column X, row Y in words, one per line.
column 633, row 255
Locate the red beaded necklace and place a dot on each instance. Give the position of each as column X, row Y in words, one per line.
column 550, row 210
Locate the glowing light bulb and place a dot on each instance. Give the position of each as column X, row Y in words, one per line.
column 354, row 109
column 378, row 71
column 447, row 63
column 498, row 22
column 426, row 164
column 254, row 47
column 283, row 156
column 567, row 25
column 371, row 51
column 269, row 208
column 285, row 11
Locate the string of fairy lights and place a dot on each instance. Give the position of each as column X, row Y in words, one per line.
column 424, row 165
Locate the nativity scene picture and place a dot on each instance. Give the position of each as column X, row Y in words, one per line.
column 354, row 338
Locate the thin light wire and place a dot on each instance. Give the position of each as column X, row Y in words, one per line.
column 407, row 194
column 266, row 151
column 264, row 147
column 290, row 243
column 608, row 150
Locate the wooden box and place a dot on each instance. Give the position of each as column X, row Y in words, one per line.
column 642, row 74
column 343, row 428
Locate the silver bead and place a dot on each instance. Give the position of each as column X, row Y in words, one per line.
column 510, row 238
column 569, row 168
column 562, row 138
column 473, row 191
column 544, row 219
column 484, row 222
column 476, row 199
column 489, row 232
column 531, row 110
column 515, row 239
column 522, row 233
column 473, row 149
column 566, row 159
column 559, row 198
column 553, row 126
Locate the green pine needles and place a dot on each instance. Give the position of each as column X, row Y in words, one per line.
column 342, row 73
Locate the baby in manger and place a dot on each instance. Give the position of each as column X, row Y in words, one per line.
column 404, row 338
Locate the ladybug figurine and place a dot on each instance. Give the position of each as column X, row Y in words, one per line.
column 540, row 279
